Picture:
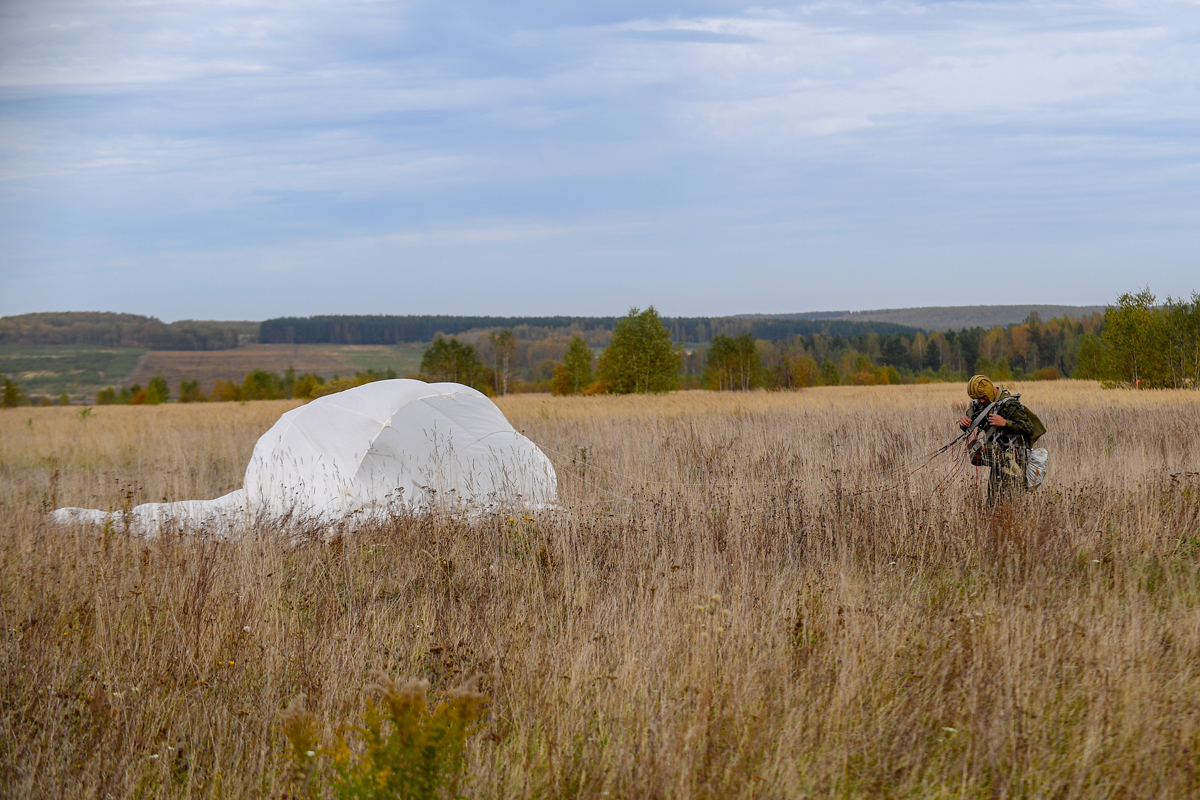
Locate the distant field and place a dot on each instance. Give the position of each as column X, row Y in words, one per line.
column 50, row 369
column 232, row 365
column 405, row 358
column 82, row 370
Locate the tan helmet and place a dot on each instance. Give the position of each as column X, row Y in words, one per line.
column 981, row 387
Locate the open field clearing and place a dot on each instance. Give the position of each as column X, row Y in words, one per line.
column 232, row 365
column 51, row 369
column 717, row 610
column 82, row 370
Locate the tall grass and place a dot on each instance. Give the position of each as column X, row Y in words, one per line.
column 719, row 609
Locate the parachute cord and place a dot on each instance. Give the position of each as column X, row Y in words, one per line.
column 926, row 460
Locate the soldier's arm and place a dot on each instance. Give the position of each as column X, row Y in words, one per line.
column 1016, row 420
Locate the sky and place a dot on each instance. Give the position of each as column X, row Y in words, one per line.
column 247, row 159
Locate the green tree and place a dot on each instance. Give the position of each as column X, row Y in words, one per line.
column 1134, row 333
column 106, row 396
column 1182, row 341
column 157, row 391
column 933, row 355
column 504, row 349
column 640, row 357
column 829, row 374
column 189, row 392
column 574, row 374
column 895, row 353
column 260, row 384
column 733, row 362
column 1090, row 359
column 13, row 396
column 453, row 361
column 64, row 399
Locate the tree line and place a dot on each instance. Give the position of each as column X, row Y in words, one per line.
column 1138, row 342
column 385, row 329
column 121, row 330
column 1145, row 344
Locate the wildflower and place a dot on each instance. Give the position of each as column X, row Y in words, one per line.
column 310, row 753
column 246, row 628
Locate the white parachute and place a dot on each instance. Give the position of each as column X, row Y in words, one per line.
column 388, row 447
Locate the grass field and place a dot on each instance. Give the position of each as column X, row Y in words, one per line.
column 719, row 609
column 82, row 370
column 76, row 369
column 232, row 365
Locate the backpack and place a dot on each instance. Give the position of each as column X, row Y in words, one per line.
column 1039, row 430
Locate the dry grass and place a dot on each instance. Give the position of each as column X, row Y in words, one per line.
column 716, row 611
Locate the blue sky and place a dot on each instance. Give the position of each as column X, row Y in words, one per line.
column 250, row 159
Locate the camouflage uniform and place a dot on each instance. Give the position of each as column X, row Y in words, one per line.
column 1005, row 449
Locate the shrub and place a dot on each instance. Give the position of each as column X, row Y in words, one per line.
column 13, row 396
column 189, row 392
column 1047, row 374
column 405, row 751
column 306, row 385
column 224, row 391
column 158, row 391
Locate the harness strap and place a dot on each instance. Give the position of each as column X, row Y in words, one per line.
column 982, row 416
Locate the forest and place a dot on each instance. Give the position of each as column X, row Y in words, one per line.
column 122, row 330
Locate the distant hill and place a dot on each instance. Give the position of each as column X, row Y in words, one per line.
column 108, row 329
column 946, row 318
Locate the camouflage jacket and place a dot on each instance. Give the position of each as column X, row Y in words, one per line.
column 1015, row 415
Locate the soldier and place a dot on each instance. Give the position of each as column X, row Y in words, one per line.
column 1006, row 435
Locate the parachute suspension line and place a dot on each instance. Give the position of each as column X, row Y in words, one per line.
column 926, row 461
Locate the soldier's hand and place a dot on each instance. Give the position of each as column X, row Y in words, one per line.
column 964, row 421
column 996, row 421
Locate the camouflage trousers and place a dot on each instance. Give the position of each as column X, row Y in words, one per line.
column 1007, row 473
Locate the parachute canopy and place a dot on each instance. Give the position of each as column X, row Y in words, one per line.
column 378, row 449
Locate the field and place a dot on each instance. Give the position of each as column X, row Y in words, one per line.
column 232, row 365
column 52, row 369
column 82, row 370
column 719, row 609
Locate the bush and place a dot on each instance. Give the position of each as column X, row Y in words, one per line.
column 157, row 391
column 225, row 392
column 1047, row 374
column 189, row 392
column 306, row 385
column 405, row 751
